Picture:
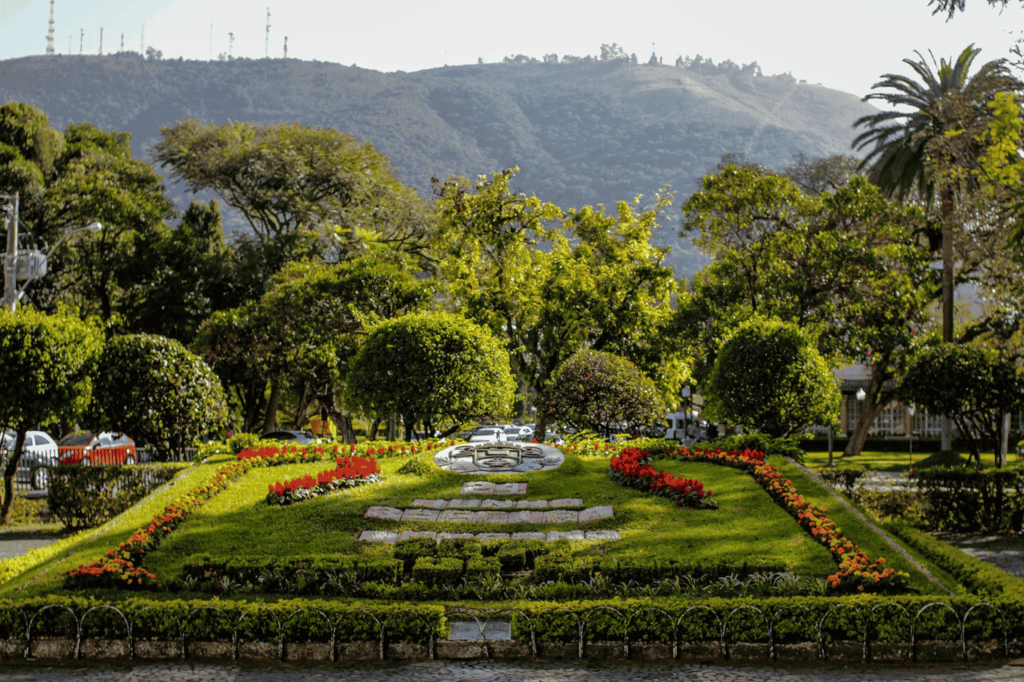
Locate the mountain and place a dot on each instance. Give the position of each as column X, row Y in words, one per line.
column 585, row 132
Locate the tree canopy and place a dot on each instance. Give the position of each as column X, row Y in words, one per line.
column 46, row 372
column 436, row 368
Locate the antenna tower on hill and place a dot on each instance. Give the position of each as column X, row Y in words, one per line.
column 142, row 41
column 266, row 40
column 231, row 45
column 286, row 47
column 101, row 41
column 49, row 34
column 122, row 41
column 81, row 40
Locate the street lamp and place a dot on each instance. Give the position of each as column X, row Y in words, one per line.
column 911, row 409
column 31, row 263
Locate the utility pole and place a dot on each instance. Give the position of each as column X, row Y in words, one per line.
column 266, row 40
column 11, row 256
column 49, row 34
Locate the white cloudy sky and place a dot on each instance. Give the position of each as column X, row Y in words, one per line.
column 841, row 44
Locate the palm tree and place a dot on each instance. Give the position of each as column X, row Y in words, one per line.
column 945, row 104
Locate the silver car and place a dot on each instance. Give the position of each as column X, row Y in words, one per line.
column 38, row 453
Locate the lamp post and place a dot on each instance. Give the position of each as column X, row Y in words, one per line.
column 911, row 409
column 685, row 392
column 35, row 261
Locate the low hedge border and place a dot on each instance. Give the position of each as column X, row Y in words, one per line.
column 980, row 577
column 84, row 496
column 967, row 625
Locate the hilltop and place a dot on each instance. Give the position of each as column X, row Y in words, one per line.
column 586, row 132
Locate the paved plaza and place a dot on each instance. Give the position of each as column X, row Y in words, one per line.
column 495, row 671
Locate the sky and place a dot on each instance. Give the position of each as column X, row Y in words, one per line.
column 842, row 45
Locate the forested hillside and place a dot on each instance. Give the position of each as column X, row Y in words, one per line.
column 584, row 132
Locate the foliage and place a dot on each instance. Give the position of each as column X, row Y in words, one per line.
column 435, row 367
column 549, row 283
column 602, row 392
column 46, row 369
column 87, row 496
column 68, row 180
column 157, row 391
column 964, row 499
column 839, row 260
column 305, row 190
column 978, row 576
column 973, row 386
column 769, row 378
column 782, row 447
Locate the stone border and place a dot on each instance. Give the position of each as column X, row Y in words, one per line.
column 488, row 503
column 463, row 515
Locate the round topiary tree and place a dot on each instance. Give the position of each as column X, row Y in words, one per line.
column 156, row 391
column 602, row 392
column 769, row 378
column 431, row 367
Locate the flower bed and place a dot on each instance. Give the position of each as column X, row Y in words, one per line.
column 274, row 455
column 857, row 571
column 350, row 472
column 632, row 469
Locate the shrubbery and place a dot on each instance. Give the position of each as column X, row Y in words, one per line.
column 87, row 496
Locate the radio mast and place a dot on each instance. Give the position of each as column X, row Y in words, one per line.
column 101, row 41
column 266, row 40
column 286, row 47
column 49, row 34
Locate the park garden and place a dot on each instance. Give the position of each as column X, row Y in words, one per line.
column 391, row 325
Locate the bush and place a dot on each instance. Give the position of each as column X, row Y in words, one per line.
column 438, row 572
column 242, row 441
column 87, row 496
column 602, row 392
column 783, row 447
column 431, row 367
column 769, row 378
column 966, row 499
column 157, row 391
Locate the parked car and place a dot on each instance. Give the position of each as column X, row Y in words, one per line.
column 87, row 449
column 298, row 437
column 487, row 435
column 519, row 433
column 38, row 453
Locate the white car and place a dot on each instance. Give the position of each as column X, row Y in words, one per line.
column 488, row 434
column 38, row 452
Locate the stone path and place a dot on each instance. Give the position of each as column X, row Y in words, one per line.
column 390, row 537
column 1005, row 552
column 508, row 671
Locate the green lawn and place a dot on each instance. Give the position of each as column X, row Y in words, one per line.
column 887, row 461
column 747, row 528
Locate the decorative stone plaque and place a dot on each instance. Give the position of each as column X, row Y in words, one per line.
column 499, row 457
column 384, row 513
column 596, row 514
column 488, row 629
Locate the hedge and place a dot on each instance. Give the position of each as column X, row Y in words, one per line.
column 979, row 577
column 821, row 620
column 304, row 575
column 965, row 499
column 90, row 495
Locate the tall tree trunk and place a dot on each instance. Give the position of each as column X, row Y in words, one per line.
column 409, row 422
column 374, row 429
column 541, row 430
column 270, row 421
column 867, row 417
column 10, row 470
column 947, row 294
column 300, row 413
column 391, row 427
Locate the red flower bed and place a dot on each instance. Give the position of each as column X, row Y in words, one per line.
column 271, row 455
column 631, row 468
column 350, row 471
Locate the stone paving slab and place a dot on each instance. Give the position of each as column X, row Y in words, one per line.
column 510, row 489
column 384, row 513
column 420, row 515
column 566, row 535
column 526, row 517
column 487, row 537
column 490, row 503
column 477, row 488
column 386, row 536
column 596, row 514
column 457, row 516
column 492, row 517
column 463, row 504
column 430, row 504
column 561, row 516
column 413, row 534
column 498, row 504
column 504, row 671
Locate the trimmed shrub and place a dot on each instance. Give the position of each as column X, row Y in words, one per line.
column 438, row 572
column 408, row 551
column 481, row 567
column 87, row 496
column 460, row 548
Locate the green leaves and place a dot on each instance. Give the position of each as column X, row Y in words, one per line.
column 433, row 367
column 769, row 378
column 156, row 391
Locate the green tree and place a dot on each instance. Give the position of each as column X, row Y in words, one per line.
column 973, row 386
column 843, row 263
column 305, row 191
column 602, row 392
column 46, row 373
column 71, row 179
column 550, row 282
column 921, row 147
column 951, row 7
column 436, row 368
column 303, row 332
column 157, row 391
column 769, row 378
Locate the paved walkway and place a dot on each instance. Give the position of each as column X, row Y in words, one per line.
column 495, row 671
